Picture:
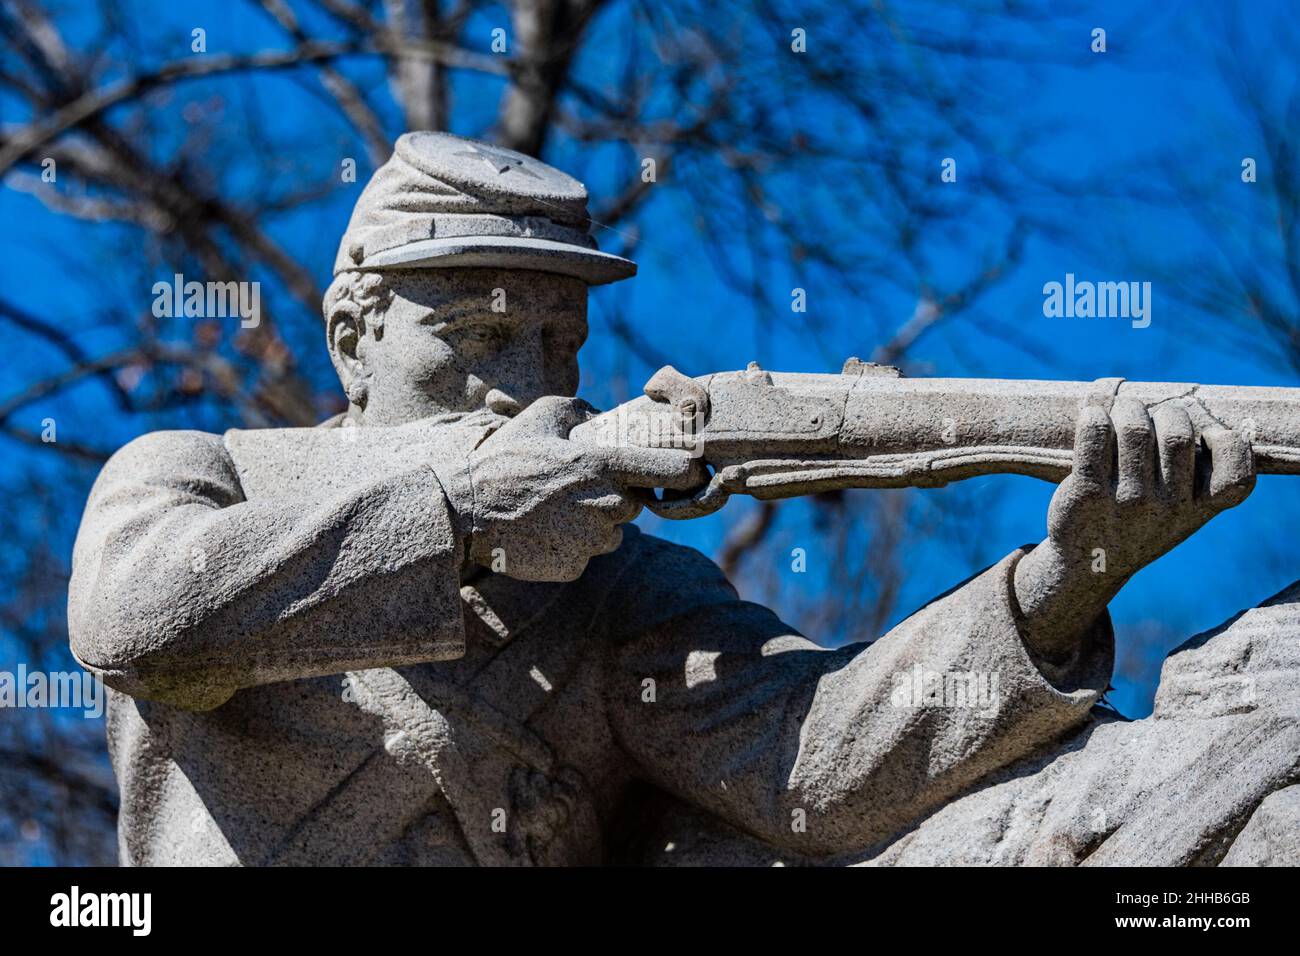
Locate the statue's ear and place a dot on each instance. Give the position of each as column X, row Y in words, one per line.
column 344, row 331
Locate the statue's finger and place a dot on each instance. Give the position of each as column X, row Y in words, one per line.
column 1135, row 447
column 618, row 509
column 1176, row 441
column 634, row 467
column 1094, row 442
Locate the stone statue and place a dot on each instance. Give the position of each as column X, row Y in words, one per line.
column 424, row 632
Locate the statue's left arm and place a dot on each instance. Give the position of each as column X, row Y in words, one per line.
column 827, row 751
column 834, row 751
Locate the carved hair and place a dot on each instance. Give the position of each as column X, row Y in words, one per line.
column 363, row 297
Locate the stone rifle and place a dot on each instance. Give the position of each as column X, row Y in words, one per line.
column 781, row 434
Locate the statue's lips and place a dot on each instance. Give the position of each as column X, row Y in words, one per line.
column 511, row 252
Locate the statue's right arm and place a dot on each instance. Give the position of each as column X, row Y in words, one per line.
column 184, row 591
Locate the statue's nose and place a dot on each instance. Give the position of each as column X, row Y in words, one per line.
column 502, row 404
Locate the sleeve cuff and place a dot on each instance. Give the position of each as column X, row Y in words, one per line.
column 1086, row 673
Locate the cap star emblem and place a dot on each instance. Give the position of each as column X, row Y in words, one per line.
column 501, row 162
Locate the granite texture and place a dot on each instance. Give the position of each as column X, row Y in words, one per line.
column 1210, row 778
column 424, row 632
column 446, row 202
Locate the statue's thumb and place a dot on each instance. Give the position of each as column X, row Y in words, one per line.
column 551, row 415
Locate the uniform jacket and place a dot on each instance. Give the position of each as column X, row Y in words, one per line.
column 304, row 670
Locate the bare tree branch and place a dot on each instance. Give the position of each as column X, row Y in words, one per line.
column 345, row 93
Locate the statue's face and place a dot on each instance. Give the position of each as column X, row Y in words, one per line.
column 460, row 340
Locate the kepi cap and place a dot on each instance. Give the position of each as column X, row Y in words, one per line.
column 445, row 201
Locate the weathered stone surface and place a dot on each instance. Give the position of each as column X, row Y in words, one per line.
column 1222, row 748
column 1272, row 836
column 424, row 633
column 1173, row 789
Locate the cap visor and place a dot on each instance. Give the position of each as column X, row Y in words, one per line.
column 506, row 252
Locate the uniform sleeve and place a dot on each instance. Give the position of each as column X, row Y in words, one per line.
column 825, row 752
column 183, row 591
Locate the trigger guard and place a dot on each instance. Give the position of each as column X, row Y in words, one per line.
column 705, row 501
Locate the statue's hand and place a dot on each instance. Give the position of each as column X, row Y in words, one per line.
column 542, row 506
column 1140, row 485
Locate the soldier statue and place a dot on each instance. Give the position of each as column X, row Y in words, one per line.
column 425, row 632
